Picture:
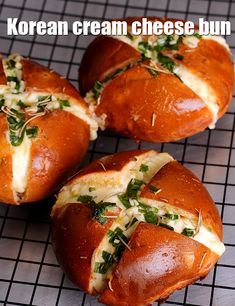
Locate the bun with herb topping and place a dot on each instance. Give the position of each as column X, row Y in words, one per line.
column 44, row 130
column 157, row 88
column 135, row 226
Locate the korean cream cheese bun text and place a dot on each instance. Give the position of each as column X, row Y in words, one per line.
column 157, row 88
column 45, row 127
column 133, row 227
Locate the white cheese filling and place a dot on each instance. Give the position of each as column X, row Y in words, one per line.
column 204, row 91
column 20, row 167
column 112, row 183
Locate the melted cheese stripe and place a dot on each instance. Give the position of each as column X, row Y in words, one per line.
column 204, row 91
column 112, row 183
column 20, row 167
column 204, row 235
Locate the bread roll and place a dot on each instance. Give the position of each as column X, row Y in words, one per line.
column 157, row 88
column 45, row 127
column 133, row 227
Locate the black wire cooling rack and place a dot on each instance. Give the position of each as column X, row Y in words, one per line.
column 29, row 273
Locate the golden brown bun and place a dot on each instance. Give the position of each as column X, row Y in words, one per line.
column 132, row 99
column 158, row 261
column 75, row 235
column 60, row 145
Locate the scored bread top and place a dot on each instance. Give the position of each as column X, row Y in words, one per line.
column 127, row 189
column 41, row 115
column 183, row 83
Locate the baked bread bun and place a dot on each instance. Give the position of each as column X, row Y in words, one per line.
column 45, row 127
column 157, row 88
column 133, row 227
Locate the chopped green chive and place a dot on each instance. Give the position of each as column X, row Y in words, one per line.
column 153, row 189
column 150, row 217
column 144, row 168
column 32, row 132
column 133, row 188
column 2, row 101
column 197, row 35
column 85, row 199
column 143, row 47
column 166, row 226
column 171, row 216
column 153, row 72
column 64, row 103
column 124, row 200
column 187, row 232
column 21, row 104
column 91, row 189
column 129, row 35
column 166, row 62
column 44, row 98
column 15, row 140
column 98, row 86
column 11, row 64
column 179, row 57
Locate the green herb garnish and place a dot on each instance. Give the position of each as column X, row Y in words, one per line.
column 179, row 57
column 101, row 267
column 32, row 132
column 166, row 226
column 44, row 98
column 11, row 64
column 132, row 222
column 144, row 168
column 99, row 210
column 187, row 232
column 2, row 101
column 153, row 189
column 16, row 140
column 98, row 86
column 153, row 72
column 124, row 200
column 171, row 216
column 129, row 35
column 144, row 47
column 64, row 103
column 133, row 188
column 166, row 62
column 86, row 199
column 21, row 104
column 150, row 217
column 91, row 189
column 197, row 35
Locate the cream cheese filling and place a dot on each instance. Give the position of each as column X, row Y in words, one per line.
column 112, row 183
column 20, row 167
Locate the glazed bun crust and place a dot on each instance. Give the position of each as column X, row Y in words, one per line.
column 61, row 142
column 178, row 185
column 177, row 263
column 157, row 260
column 112, row 53
column 56, row 153
column 135, row 95
column 129, row 101
column 6, row 195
